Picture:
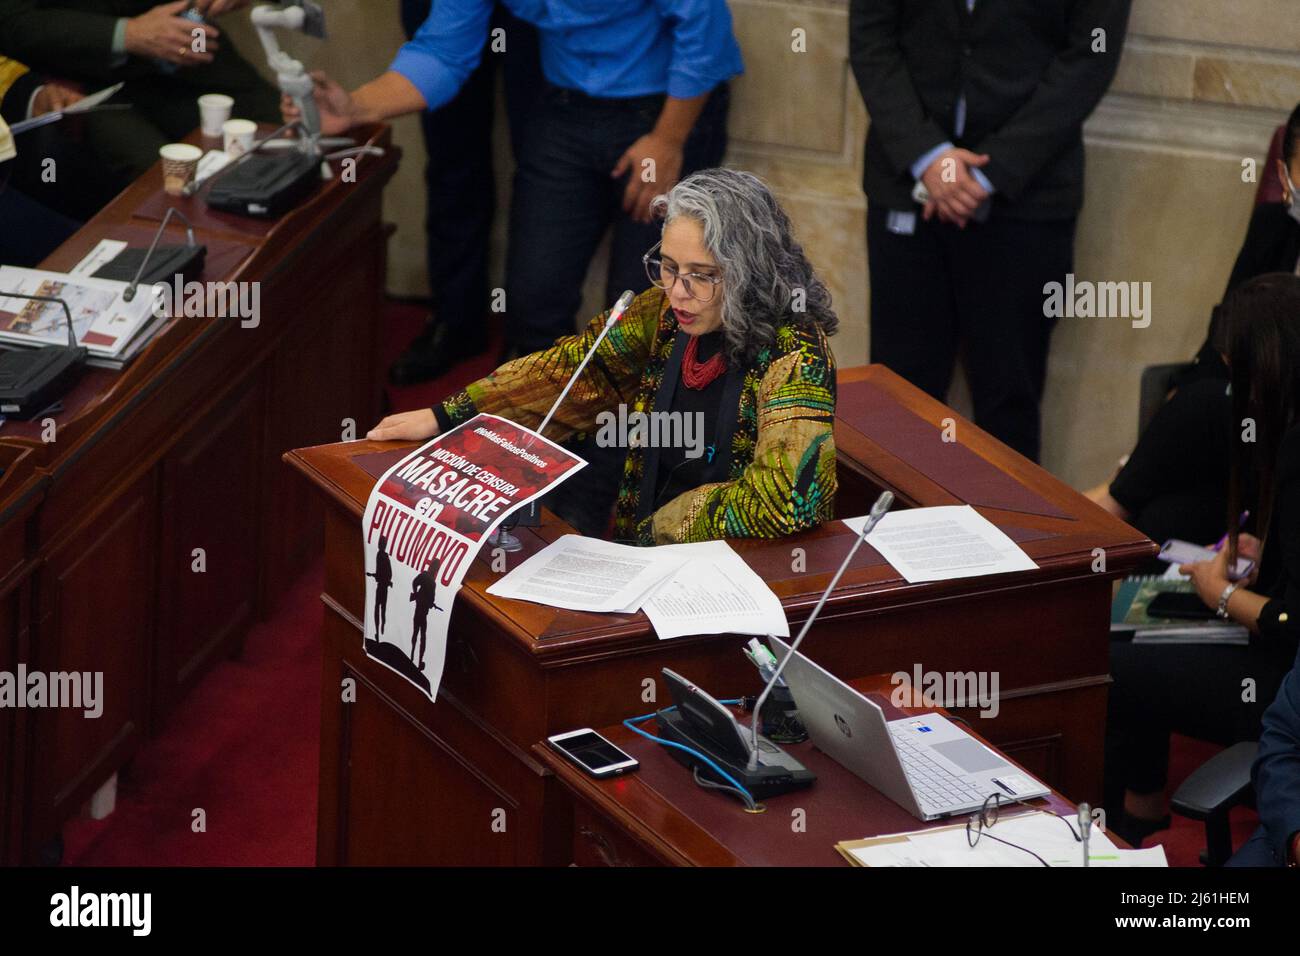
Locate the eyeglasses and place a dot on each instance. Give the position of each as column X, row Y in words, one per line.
column 982, row 821
column 697, row 285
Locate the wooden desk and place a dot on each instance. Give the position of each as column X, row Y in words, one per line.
column 456, row 782
column 100, row 518
column 658, row 816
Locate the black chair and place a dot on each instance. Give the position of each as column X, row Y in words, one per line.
column 1211, row 791
column 1154, row 388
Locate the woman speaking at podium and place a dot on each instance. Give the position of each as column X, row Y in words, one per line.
column 730, row 339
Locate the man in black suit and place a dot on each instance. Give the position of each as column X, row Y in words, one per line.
column 982, row 103
column 1276, row 776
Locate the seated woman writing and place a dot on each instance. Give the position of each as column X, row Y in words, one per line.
column 1218, row 692
column 732, row 334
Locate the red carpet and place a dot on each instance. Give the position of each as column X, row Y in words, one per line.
column 244, row 747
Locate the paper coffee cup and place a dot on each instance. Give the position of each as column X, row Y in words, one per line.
column 238, row 136
column 214, row 109
column 179, row 162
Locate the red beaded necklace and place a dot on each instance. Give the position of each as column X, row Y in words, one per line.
column 697, row 374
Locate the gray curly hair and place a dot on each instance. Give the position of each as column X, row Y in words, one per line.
column 768, row 279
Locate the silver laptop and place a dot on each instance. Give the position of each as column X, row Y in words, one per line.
column 926, row 764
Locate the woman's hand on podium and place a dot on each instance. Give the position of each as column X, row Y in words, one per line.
column 406, row 426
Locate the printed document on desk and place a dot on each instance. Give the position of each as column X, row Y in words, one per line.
column 942, row 543
column 715, row 592
column 104, row 322
column 588, row 574
column 1046, row 836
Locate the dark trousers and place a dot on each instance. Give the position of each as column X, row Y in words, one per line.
column 1186, row 689
column 460, row 189
column 564, row 200
column 30, row 230
column 976, row 291
column 1257, row 851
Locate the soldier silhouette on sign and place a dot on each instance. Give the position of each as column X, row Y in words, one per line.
column 422, row 593
column 383, row 575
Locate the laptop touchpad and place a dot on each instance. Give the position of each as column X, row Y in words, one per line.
column 968, row 754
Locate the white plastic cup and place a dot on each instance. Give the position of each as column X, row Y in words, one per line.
column 237, row 136
column 180, row 161
column 214, row 110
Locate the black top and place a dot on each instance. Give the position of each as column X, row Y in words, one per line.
column 1030, row 75
column 1175, row 482
column 678, row 472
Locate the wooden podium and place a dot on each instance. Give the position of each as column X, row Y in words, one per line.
column 146, row 521
column 406, row 781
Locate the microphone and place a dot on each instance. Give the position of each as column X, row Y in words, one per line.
column 615, row 314
column 129, row 292
column 1085, row 828
column 878, row 511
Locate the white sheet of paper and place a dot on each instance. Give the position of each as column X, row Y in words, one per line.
column 687, row 552
column 941, row 543
column 1047, row 837
column 91, row 101
column 103, row 252
column 716, row 594
column 211, row 163
column 587, row 574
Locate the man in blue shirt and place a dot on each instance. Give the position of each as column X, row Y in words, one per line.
column 635, row 98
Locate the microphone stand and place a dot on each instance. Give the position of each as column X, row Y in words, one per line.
column 878, row 511
column 615, row 314
column 504, row 539
column 1085, row 830
column 129, row 293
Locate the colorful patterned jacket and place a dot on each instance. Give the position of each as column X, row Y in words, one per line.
column 779, row 463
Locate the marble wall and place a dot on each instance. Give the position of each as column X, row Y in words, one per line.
column 1201, row 87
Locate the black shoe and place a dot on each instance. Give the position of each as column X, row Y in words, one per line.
column 434, row 353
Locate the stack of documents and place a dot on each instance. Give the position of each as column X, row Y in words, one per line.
column 684, row 589
column 108, row 326
column 1045, row 835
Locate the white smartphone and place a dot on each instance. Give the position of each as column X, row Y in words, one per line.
column 593, row 753
column 1184, row 552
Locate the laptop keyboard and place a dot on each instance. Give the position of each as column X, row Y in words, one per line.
column 936, row 788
